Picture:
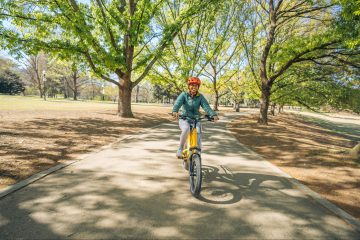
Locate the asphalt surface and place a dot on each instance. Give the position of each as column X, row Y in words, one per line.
column 138, row 189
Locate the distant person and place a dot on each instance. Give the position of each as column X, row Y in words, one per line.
column 190, row 102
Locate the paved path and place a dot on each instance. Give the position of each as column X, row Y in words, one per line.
column 137, row 189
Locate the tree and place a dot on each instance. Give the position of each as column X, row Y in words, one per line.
column 111, row 92
column 35, row 66
column 40, row 67
column 145, row 92
column 116, row 38
column 348, row 23
column 10, row 83
column 93, row 88
column 71, row 74
column 6, row 64
column 163, row 94
column 236, row 91
column 220, row 47
column 296, row 32
column 317, row 84
column 181, row 59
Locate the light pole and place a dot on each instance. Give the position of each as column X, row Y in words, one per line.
column 44, row 81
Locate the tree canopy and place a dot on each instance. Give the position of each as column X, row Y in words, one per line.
column 278, row 51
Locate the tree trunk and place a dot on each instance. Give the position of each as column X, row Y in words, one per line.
column 281, row 108
column 137, row 94
column 41, row 91
column 264, row 104
column 124, row 104
column 39, row 86
column 216, row 101
column 265, row 82
column 38, row 79
column 44, row 90
column 237, row 107
column 93, row 90
column 65, row 88
column 75, row 86
column 273, row 107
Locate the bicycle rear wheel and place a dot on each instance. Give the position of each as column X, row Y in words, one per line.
column 195, row 175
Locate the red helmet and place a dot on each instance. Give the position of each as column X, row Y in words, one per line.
column 194, row 80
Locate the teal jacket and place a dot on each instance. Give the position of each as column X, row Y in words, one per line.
column 191, row 105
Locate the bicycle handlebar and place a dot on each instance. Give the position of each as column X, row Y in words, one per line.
column 210, row 119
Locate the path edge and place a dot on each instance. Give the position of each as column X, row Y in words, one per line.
column 317, row 197
column 33, row 178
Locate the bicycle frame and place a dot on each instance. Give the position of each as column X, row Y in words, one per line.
column 191, row 156
column 191, row 146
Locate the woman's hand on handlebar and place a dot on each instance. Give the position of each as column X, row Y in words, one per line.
column 175, row 115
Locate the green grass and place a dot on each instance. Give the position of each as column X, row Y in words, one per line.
column 8, row 102
column 350, row 131
column 24, row 103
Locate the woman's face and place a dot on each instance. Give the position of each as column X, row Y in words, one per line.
column 193, row 88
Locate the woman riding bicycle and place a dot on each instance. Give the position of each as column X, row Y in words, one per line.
column 191, row 102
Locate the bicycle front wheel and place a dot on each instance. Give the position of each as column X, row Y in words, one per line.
column 195, row 174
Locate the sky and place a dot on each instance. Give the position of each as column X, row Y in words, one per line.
column 5, row 54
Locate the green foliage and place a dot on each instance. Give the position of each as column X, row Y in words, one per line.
column 208, row 40
column 348, row 23
column 180, row 59
column 160, row 91
column 195, row 38
column 102, row 33
column 10, row 83
column 314, row 86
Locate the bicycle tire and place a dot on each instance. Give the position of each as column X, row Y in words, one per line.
column 195, row 174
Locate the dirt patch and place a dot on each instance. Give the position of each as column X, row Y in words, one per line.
column 316, row 156
column 34, row 140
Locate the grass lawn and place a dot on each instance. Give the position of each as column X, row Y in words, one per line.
column 37, row 134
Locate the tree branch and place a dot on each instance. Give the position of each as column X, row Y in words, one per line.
column 157, row 55
column 297, row 58
column 111, row 35
column 93, row 67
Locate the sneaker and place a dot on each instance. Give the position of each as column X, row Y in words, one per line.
column 179, row 153
column 186, row 165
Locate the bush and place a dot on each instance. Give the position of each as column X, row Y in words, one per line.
column 10, row 83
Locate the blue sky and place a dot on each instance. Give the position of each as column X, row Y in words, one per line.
column 5, row 54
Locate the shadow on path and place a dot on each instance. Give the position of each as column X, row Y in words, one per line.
column 137, row 189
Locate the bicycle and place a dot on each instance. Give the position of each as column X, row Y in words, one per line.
column 191, row 155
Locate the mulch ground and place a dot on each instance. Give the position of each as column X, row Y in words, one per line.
column 32, row 141
column 308, row 152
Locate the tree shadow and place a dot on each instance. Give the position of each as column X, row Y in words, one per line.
column 229, row 187
column 297, row 145
column 41, row 143
column 313, row 154
column 130, row 191
column 349, row 130
column 89, row 204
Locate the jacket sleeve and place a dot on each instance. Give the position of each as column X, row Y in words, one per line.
column 179, row 102
column 205, row 105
